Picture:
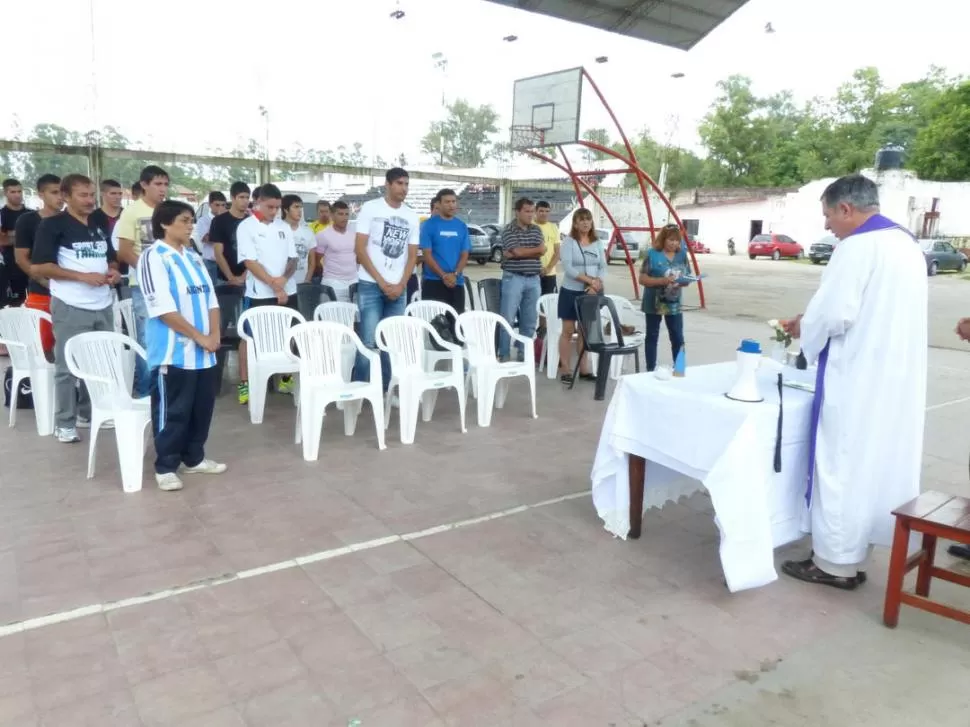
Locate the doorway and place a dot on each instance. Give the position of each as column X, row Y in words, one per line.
column 755, row 229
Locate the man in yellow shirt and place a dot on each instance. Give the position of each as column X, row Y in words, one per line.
column 320, row 223
column 549, row 259
column 134, row 231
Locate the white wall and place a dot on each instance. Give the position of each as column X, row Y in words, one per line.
column 716, row 223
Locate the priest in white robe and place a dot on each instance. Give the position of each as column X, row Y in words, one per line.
column 866, row 329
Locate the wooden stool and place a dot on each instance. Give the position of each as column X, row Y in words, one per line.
column 935, row 515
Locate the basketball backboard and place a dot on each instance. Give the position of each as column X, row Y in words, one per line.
column 545, row 109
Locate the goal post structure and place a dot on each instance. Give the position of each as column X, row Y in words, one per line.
column 545, row 116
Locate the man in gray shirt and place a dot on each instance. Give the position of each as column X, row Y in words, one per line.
column 523, row 246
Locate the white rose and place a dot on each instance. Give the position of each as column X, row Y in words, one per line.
column 773, row 323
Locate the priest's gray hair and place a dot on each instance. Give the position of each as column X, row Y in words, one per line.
column 854, row 190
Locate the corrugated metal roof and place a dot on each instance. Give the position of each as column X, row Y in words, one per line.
column 676, row 23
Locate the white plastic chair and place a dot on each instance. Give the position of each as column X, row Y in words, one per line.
column 124, row 315
column 267, row 350
column 629, row 315
column 321, row 382
column 427, row 311
column 101, row 360
column 346, row 314
column 477, row 329
column 403, row 338
column 547, row 306
column 20, row 333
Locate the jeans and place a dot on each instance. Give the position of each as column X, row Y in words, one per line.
column 212, row 267
column 520, row 294
column 142, row 374
column 68, row 322
column 374, row 307
column 675, row 329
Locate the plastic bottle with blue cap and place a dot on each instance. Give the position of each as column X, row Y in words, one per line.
column 746, row 384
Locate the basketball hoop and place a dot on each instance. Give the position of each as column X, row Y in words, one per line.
column 527, row 137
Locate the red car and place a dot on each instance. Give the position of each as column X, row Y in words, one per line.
column 774, row 246
column 697, row 247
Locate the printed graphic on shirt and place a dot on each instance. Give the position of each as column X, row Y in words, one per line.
column 145, row 232
column 394, row 238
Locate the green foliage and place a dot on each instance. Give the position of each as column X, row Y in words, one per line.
column 942, row 147
column 463, row 138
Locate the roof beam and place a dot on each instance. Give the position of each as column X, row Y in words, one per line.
column 629, row 17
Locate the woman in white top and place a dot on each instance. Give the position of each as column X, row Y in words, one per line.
column 303, row 236
column 336, row 245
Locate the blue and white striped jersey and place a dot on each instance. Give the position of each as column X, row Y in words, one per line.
column 174, row 281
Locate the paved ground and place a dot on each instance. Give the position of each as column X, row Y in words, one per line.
column 283, row 593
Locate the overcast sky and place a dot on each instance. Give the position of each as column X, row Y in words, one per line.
column 190, row 76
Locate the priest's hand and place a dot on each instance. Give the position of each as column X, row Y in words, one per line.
column 793, row 326
column 963, row 329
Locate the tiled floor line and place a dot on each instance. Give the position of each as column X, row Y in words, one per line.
column 76, row 613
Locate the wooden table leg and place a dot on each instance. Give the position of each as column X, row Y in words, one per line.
column 926, row 565
column 897, row 571
column 637, row 471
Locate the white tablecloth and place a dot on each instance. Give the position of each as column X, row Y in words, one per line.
column 691, row 436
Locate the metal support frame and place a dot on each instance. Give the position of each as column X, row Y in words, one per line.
column 644, row 181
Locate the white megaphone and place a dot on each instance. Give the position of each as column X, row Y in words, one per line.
column 746, row 384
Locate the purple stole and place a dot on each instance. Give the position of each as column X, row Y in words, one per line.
column 873, row 224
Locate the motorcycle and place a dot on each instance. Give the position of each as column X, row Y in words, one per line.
column 731, row 250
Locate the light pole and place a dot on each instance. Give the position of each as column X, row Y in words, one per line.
column 441, row 64
column 264, row 112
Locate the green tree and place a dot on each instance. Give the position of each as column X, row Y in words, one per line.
column 463, row 139
column 941, row 150
column 596, row 136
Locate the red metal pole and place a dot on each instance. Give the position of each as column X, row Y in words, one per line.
column 588, row 188
column 643, row 176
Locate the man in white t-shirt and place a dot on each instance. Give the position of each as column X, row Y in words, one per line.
column 268, row 250
column 387, row 249
column 200, row 233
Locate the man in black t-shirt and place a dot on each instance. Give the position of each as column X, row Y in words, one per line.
column 13, row 283
column 38, row 287
column 222, row 235
column 108, row 213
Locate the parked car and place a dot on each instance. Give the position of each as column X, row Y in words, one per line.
column 481, row 250
column 697, row 247
column 494, row 233
column 941, row 255
column 635, row 241
column 774, row 246
column 822, row 250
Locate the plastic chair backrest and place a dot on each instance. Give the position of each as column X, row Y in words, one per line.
column 319, row 346
column 337, row 312
column 470, row 297
column 21, row 327
column 230, row 306
column 126, row 316
column 478, row 330
column 310, row 295
column 547, row 304
column 428, row 310
column 402, row 337
column 352, row 292
column 490, row 293
column 588, row 314
column 269, row 328
column 99, row 358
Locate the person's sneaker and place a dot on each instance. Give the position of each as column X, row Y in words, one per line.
column 242, row 392
column 168, row 482
column 83, row 423
column 205, row 467
column 66, row 435
column 286, row 385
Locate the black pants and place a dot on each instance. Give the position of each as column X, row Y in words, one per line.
column 182, row 403
column 412, row 287
column 547, row 284
column 675, row 329
column 437, row 290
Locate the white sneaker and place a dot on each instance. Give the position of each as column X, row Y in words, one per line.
column 83, row 423
column 168, row 482
column 205, row 467
column 66, row 435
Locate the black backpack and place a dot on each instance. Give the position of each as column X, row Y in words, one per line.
column 444, row 326
column 25, row 399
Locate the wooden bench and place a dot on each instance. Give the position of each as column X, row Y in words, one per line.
column 935, row 515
